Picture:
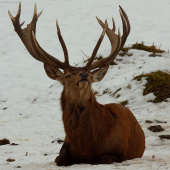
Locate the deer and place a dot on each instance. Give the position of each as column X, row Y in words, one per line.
column 95, row 133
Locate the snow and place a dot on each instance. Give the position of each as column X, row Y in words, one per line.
column 33, row 116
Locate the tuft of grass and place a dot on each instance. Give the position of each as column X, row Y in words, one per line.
column 51, row 86
column 152, row 48
column 99, row 58
column 148, row 121
column 34, row 101
column 116, row 91
column 124, row 52
column 118, row 96
column 112, row 63
column 124, row 49
column 108, row 91
column 157, row 83
column 129, row 86
column 124, row 102
column 139, row 46
column 155, row 55
column 164, row 136
column 95, row 92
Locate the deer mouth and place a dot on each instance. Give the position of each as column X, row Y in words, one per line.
column 83, row 83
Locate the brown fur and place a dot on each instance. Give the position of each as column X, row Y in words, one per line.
column 96, row 133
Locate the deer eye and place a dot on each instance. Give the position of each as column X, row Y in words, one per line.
column 67, row 76
column 91, row 77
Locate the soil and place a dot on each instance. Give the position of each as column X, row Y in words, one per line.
column 4, row 141
column 156, row 128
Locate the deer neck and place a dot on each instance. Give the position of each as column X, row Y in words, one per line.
column 77, row 102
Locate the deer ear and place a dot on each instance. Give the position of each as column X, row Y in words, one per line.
column 99, row 73
column 53, row 73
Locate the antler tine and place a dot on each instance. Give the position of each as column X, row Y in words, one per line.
column 45, row 55
column 18, row 13
column 111, row 57
column 19, row 10
column 126, row 25
column 35, row 16
column 62, row 44
column 97, row 45
column 27, row 36
column 126, row 18
column 116, row 41
column 39, row 14
column 22, row 23
column 114, row 27
column 11, row 17
column 15, row 20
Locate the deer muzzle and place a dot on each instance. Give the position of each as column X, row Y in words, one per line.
column 83, row 82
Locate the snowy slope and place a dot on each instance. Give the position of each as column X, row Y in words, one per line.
column 32, row 117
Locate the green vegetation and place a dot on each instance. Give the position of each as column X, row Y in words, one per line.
column 164, row 137
column 124, row 49
column 138, row 46
column 118, row 96
column 124, row 102
column 141, row 46
column 95, row 92
column 125, row 53
column 116, row 91
column 51, row 86
column 129, row 86
column 112, row 63
column 157, row 83
column 108, row 91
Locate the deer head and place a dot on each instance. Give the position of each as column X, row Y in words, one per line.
column 76, row 80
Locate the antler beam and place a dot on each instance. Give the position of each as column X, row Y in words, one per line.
column 27, row 36
column 117, row 41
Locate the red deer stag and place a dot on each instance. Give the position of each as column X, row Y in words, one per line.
column 95, row 133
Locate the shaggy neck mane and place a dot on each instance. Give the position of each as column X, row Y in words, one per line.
column 78, row 102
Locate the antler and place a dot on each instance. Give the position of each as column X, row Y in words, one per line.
column 27, row 36
column 117, row 41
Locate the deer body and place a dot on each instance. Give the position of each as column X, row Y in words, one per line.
column 94, row 130
column 95, row 133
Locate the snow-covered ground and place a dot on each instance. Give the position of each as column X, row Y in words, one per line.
column 30, row 114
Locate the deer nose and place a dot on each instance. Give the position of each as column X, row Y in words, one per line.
column 84, row 75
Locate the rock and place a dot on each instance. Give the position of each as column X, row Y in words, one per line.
column 14, row 144
column 4, row 141
column 156, row 128
column 10, row 160
column 164, row 136
column 158, row 121
column 148, row 121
